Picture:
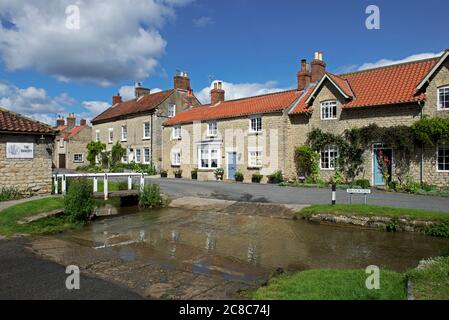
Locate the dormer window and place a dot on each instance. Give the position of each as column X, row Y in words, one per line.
column 443, row 98
column 329, row 110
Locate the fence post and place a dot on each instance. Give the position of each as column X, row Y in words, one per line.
column 334, row 194
column 64, row 184
column 130, row 182
column 56, row 183
column 105, row 183
column 95, row 184
column 142, row 183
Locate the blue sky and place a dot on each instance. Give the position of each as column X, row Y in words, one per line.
column 254, row 46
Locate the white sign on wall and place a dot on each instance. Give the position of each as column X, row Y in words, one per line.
column 15, row 150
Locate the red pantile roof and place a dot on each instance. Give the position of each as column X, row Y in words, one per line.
column 73, row 132
column 393, row 84
column 14, row 122
column 267, row 103
column 145, row 103
column 302, row 106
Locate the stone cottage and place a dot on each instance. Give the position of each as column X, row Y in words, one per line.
column 259, row 134
column 137, row 124
column 26, row 152
column 71, row 143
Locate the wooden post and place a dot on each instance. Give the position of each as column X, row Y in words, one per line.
column 105, row 186
column 95, row 184
column 56, row 183
column 64, row 185
column 130, row 182
column 142, row 182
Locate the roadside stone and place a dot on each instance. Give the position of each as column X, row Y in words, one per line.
column 40, row 216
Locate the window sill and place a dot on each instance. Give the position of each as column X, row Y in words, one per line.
column 175, row 165
column 329, row 119
column 146, row 139
column 255, row 133
column 327, row 169
column 442, row 171
column 254, row 167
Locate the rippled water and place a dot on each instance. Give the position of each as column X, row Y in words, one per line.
column 242, row 247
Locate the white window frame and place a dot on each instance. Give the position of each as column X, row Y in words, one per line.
column 209, row 148
column 329, row 105
column 328, row 150
column 171, row 110
column 145, row 160
column 255, row 118
column 443, row 146
column 97, row 135
column 212, row 133
column 110, row 138
column 138, row 156
column 175, row 134
column 124, row 133
column 439, row 107
column 253, row 158
column 176, row 158
column 78, row 161
column 146, row 137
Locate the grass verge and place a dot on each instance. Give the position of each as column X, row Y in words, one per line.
column 333, row 285
column 10, row 216
column 370, row 210
column 431, row 281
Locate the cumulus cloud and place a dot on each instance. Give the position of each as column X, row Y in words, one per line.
column 203, row 22
column 94, row 108
column 116, row 40
column 240, row 90
column 387, row 62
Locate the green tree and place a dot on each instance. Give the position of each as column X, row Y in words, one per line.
column 94, row 149
column 307, row 162
column 117, row 153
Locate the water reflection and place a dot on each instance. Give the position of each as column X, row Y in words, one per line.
column 243, row 247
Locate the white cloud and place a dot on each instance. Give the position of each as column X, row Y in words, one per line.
column 203, row 22
column 127, row 92
column 240, row 90
column 387, row 62
column 117, row 39
column 94, row 108
column 32, row 100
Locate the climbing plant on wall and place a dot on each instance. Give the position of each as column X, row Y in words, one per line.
column 431, row 130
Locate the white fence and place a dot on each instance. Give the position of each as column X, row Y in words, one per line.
column 95, row 177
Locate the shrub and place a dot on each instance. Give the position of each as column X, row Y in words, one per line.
column 151, row 197
column 306, row 160
column 362, row 183
column 394, row 185
column 428, row 187
column 78, row 201
column 219, row 173
column 94, row 149
column 123, row 185
column 89, row 168
column 256, row 177
column 9, row 193
column 276, row 177
column 411, row 187
column 149, row 169
column 194, row 173
column 163, row 173
column 438, row 230
column 178, row 173
column 117, row 153
column 238, row 176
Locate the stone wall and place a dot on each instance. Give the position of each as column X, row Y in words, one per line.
column 135, row 129
column 28, row 175
column 76, row 145
column 232, row 136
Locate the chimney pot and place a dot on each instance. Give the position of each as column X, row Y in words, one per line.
column 318, row 67
column 182, row 81
column 116, row 99
column 217, row 94
column 303, row 76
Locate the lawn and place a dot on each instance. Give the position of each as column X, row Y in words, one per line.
column 10, row 216
column 431, row 281
column 333, row 285
column 370, row 210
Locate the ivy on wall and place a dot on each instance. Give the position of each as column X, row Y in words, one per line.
column 353, row 143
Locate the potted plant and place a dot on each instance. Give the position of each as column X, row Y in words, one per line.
column 276, row 177
column 194, row 174
column 163, row 173
column 219, row 173
column 238, row 176
column 256, row 178
column 178, row 174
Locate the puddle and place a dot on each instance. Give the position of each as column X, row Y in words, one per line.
column 248, row 248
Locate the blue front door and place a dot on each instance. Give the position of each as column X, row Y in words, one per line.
column 385, row 155
column 232, row 164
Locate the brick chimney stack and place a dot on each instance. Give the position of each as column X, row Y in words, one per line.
column 303, row 75
column 83, row 122
column 71, row 121
column 217, row 94
column 140, row 91
column 116, row 99
column 182, row 81
column 318, row 67
column 60, row 121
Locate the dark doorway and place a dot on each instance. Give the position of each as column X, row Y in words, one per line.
column 62, row 161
